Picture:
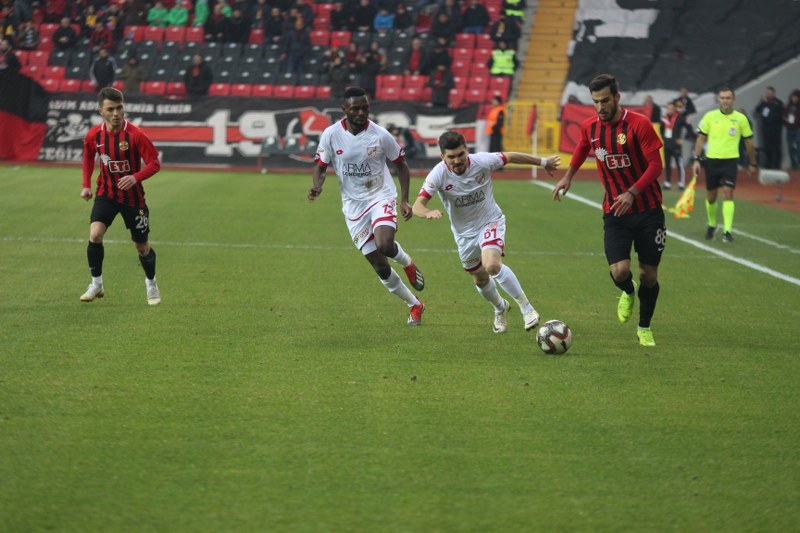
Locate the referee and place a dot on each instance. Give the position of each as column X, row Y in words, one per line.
column 722, row 128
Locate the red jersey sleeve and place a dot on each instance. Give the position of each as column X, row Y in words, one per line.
column 651, row 145
column 89, row 154
column 583, row 148
column 149, row 155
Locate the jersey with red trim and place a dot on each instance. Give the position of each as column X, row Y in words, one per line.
column 468, row 198
column 360, row 163
column 120, row 154
column 621, row 150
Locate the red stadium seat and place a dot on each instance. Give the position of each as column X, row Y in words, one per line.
column 175, row 33
column 321, row 22
column 56, row 73
column 462, row 54
column 153, row 33
column 50, row 85
column 484, row 40
column 38, row 58
column 304, row 91
column 120, row 85
column 33, row 72
column 465, row 40
column 256, row 36
column 262, row 90
column 241, row 89
column 494, row 13
column 195, row 34
column 155, row 87
column 412, row 94
column 460, row 67
column 47, row 29
column 414, row 81
column 481, row 55
column 475, row 96
column 45, row 44
column 283, row 91
column 388, row 93
column 478, row 82
column 479, row 69
column 500, row 85
column 461, row 81
column 23, row 56
column 324, row 9
column 135, row 32
column 176, row 88
column 389, row 80
column 88, row 86
column 69, row 86
column 457, row 97
column 219, row 89
column 323, row 91
column 320, row 38
column 340, row 39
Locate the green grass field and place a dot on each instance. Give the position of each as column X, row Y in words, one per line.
column 277, row 387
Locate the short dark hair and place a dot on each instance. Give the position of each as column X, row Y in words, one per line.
column 725, row 89
column 354, row 92
column 109, row 93
column 450, row 140
column 602, row 81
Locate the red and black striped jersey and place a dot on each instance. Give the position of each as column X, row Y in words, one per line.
column 121, row 154
column 622, row 149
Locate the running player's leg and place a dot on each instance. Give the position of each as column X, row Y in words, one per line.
column 728, row 208
column 469, row 252
column 103, row 213
column 617, row 238
column 649, row 243
column 138, row 222
column 388, row 246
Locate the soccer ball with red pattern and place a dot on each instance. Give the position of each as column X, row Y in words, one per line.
column 554, row 337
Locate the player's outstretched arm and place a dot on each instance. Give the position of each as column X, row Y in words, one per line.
column 318, row 180
column 421, row 210
column 563, row 184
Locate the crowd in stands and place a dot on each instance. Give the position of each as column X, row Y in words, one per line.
column 423, row 50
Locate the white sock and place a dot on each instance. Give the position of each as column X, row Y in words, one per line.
column 402, row 257
column 150, row 282
column 396, row 286
column 491, row 295
column 509, row 283
column 97, row 281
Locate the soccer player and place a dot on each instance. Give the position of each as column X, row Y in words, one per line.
column 722, row 128
column 464, row 185
column 629, row 163
column 358, row 149
column 121, row 147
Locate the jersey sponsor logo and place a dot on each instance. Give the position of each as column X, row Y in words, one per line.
column 470, row 199
column 117, row 167
column 621, row 138
column 124, row 145
column 355, row 170
column 617, row 161
column 339, row 152
column 449, row 187
column 360, row 236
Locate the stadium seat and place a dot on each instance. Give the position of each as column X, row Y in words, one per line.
column 45, row 44
column 120, row 85
column 463, row 54
column 176, row 88
column 340, row 39
column 478, row 82
column 500, row 85
column 262, row 90
column 59, row 58
column 465, row 40
column 88, row 86
column 175, row 34
column 256, row 36
column 69, row 86
column 195, row 34
column 54, row 72
column 389, row 80
column 481, row 55
column 153, row 33
column 479, row 69
column 320, row 37
column 241, row 89
column 47, row 29
column 135, row 33
column 23, row 56
column 219, row 89
column 323, row 91
column 50, row 85
column 388, row 93
column 38, row 58
column 321, row 22
column 32, row 71
column 412, row 94
column 461, row 81
column 155, row 87
column 457, row 97
column 475, row 96
column 414, row 81
column 460, row 67
column 484, row 40
column 494, row 13
column 283, row 91
column 304, row 91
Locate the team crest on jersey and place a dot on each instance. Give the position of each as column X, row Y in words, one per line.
column 371, row 151
column 621, row 138
column 732, row 131
column 124, row 145
column 480, row 178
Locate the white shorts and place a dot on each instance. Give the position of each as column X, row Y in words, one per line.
column 362, row 227
column 491, row 235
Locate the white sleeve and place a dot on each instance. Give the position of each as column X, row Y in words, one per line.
column 324, row 154
column 390, row 146
column 492, row 161
column 432, row 183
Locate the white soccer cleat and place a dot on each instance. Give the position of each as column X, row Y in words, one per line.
column 531, row 319
column 501, row 319
column 92, row 292
column 153, row 294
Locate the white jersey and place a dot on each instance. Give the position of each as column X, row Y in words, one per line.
column 469, row 198
column 360, row 163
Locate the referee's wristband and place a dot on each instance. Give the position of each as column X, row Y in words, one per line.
column 698, row 158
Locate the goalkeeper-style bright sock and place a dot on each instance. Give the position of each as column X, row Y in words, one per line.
column 711, row 211
column 727, row 214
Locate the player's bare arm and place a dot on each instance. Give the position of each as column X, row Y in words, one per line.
column 404, row 177
column 126, row 182
column 624, row 201
column 421, row 209
column 550, row 164
column 752, row 168
column 698, row 151
column 316, row 187
column 86, row 193
column 563, row 184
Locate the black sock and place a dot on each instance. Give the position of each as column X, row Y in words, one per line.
column 626, row 285
column 647, row 304
column 95, row 253
column 149, row 264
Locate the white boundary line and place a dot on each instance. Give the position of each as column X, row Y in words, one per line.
column 673, row 235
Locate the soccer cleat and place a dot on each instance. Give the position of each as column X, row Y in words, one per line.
column 645, row 337
column 92, row 292
column 501, row 319
column 625, row 305
column 153, row 294
column 667, row 185
column 415, row 277
column 727, row 237
column 710, row 232
column 531, row 319
column 415, row 318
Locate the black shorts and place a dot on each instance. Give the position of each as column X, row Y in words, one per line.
column 646, row 231
column 721, row 173
column 136, row 220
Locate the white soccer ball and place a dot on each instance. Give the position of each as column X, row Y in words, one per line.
column 554, row 337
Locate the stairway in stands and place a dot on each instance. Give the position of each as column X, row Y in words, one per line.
column 546, row 63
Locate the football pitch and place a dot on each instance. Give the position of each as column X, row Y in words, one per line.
column 278, row 388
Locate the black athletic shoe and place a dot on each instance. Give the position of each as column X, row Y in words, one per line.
column 710, row 232
column 727, row 237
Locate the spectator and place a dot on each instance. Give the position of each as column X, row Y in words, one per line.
column 7, row 25
column 65, row 36
column 88, row 20
column 296, row 44
column 506, row 29
column 403, row 18
column 384, row 21
column 367, row 70
column 655, row 110
column 157, row 16
column 9, row 62
column 352, row 56
column 503, row 61
column 27, row 36
column 338, row 75
column 341, row 20
column 53, row 10
column 200, row 13
column 306, row 11
column 238, row 28
column 494, row 124
column 134, row 14
column 406, row 140
column 514, row 9
column 673, row 132
column 112, row 19
column 444, row 29
column 132, row 74
column 102, row 70
column 258, row 14
column 273, row 27
column 364, row 16
column 441, row 81
column 101, row 38
column 216, row 27
column 198, row 77
column 438, row 56
column 475, row 18
column 415, row 59
column 453, row 12
column 770, row 118
column 178, row 15
column 684, row 104
column 791, row 119
column 424, row 20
